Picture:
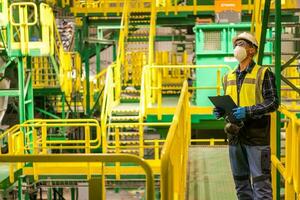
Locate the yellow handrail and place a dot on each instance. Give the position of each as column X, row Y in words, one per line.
column 23, row 16
column 32, row 137
column 152, row 83
column 152, row 33
column 121, row 49
column 97, row 84
column 174, row 156
column 162, row 6
column 166, row 6
column 290, row 168
column 22, row 25
column 107, row 103
column 104, row 158
column 42, row 126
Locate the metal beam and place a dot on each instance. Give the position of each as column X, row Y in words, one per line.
column 278, row 84
column 47, row 113
column 98, row 41
column 12, row 60
column 290, row 84
column 10, row 93
column 290, row 61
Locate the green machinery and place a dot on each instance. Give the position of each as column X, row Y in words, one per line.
column 214, row 47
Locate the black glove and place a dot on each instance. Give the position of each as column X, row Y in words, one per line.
column 218, row 112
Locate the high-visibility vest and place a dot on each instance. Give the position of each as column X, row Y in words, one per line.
column 251, row 89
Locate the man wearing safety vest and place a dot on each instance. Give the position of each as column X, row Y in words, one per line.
column 253, row 89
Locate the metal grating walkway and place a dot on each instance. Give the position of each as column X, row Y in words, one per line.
column 209, row 174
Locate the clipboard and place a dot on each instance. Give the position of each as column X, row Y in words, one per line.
column 226, row 103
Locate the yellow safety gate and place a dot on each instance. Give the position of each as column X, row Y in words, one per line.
column 289, row 168
column 174, row 156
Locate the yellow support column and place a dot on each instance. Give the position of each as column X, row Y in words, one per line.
column 117, row 146
column 273, row 151
column 159, row 94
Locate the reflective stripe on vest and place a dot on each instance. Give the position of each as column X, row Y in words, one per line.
column 251, row 89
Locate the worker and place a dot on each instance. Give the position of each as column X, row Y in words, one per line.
column 253, row 89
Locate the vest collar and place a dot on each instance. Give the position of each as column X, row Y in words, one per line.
column 248, row 69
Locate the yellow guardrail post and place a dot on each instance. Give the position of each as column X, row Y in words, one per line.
column 46, row 19
column 156, row 149
column 44, row 138
column 155, row 80
column 35, row 152
column 273, row 150
column 289, row 169
column 23, row 23
column 159, row 93
column 87, row 139
column 152, row 33
column 117, row 132
column 174, row 156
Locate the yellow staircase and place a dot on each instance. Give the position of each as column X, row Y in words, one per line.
column 137, row 47
column 123, row 124
column 62, row 70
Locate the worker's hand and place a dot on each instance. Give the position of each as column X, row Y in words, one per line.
column 239, row 113
column 218, row 112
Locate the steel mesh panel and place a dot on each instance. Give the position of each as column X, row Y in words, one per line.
column 212, row 40
column 210, row 175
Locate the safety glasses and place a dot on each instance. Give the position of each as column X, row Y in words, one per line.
column 242, row 43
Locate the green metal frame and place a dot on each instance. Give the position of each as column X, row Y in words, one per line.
column 25, row 90
column 278, row 83
column 278, row 69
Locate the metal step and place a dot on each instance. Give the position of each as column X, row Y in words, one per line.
column 171, row 92
column 143, row 42
column 139, row 26
column 125, row 111
column 129, row 151
column 273, row 65
column 287, row 89
column 130, row 91
column 125, row 118
column 146, row 21
column 123, row 125
column 139, row 17
column 130, row 97
column 290, row 100
column 294, row 110
column 292, row 77
column 134, row 37
column 285, row 24
column 282, row 53
column 124, row 134
column 284, row 39
column 128, row 142
column 140, row 32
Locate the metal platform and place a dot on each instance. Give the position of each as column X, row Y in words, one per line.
column 209, row 175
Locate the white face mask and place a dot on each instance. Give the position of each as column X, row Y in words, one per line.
column 240, row 53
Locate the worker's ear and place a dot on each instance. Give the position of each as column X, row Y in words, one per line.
column 252, row 51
